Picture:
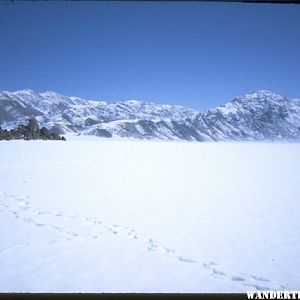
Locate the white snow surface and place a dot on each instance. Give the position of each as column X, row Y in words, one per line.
column 135, row 216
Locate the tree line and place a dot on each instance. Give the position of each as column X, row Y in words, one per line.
column 31, row 131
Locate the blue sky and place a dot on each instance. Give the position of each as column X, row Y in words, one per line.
column 195, row 54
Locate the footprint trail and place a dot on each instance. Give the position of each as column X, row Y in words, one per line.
column 73, row 226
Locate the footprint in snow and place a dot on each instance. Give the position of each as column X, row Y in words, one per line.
column 72, row 233
column 237, row 278
column 57, row 228
column 218, row 273
column 186, row 259
column 155, row 246
column 283, row 286
column 152, row 246
column 113, row 231
column 132, row 234
column 71, row 216
column 257, row 278
column 258, row 287
column 209, row 265
column 134, row 237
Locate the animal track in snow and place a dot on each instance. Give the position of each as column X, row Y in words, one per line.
column 237, row 278
column 217, row 272
column 74, row 226
column 258, row 287
column 257, row 278
column 185, row 259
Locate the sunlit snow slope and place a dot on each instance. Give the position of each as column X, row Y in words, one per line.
column 110, row 216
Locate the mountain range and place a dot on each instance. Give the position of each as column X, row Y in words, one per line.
column 257, row 116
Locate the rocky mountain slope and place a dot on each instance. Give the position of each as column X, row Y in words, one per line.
column 260, row 115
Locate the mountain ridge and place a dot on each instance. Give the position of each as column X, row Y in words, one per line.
column 259, row 115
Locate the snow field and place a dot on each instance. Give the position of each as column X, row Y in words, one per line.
column 126, row 216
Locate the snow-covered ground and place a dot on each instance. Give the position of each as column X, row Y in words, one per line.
column 126, row 216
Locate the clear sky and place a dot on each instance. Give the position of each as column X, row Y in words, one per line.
column 195, row 54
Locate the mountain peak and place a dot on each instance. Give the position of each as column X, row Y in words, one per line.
column 51, row 94
column 133, row 102
column 264, row 92
column 260, row 95
column 25, row 91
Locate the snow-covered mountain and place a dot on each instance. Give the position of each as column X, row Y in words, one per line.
column 76, row 115
column 260, row 115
